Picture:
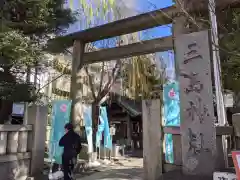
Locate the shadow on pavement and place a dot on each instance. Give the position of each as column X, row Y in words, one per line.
column 135, row 153
column 118, row 174
column 178, row 175
column 137, row 174
column 133, row 174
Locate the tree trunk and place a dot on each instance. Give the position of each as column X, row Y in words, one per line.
column 6, row 105
column 5, row 110
column 95, row 114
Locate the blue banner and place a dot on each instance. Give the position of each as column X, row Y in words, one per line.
column 171, row 115
column 169, row 157
column 107, row 135
column 171, row 104
column 87, row 117
column 101, row 127
column 60, row 116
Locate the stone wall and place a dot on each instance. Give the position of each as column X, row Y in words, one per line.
column 15, row 170
column 14, row 156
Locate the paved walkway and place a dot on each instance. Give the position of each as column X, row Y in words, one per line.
column 117, row 174
column 130, row 169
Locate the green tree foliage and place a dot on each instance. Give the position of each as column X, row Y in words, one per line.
column 228, row 20
column 36, row 17
column 230, row 48
column 25, row 27
column 18, row 49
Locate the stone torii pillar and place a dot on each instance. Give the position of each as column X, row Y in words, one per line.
column 76, row 84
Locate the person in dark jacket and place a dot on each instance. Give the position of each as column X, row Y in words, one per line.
column 71, row 143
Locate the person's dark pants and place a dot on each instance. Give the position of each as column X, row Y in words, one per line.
column 68, row 166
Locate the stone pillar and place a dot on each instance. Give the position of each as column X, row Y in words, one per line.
column 152, row 147
column 3, row 143
column 12, row 142
column 196, row 97
column 22, row 140
column 37, row 117
column 76, row 82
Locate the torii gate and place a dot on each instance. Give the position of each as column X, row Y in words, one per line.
column 202, row 160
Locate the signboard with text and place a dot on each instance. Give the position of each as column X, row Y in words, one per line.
column 196, row 97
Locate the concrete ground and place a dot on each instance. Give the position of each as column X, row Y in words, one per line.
column 122, row 170
column 127, row 169
column 132, row 169
column 117, row 174
column 128, row 173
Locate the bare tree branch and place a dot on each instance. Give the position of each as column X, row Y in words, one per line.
column 110, row 82
column 195, row 22
column 101, row 78
column 56, row 78
column 192, row 20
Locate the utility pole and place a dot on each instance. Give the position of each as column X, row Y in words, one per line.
column 217, row 73
column 49, row 87
column 28, row 79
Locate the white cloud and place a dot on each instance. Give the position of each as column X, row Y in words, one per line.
column 128, row 7
column 131, row 4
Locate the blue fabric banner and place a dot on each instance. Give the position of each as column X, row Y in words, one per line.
column 169, row 148
column 107, row 135
column 87, row 117
column 60, row 116
column 101, row 127
column 171, row 115
column 171, row 104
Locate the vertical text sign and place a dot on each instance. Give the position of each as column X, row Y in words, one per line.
column 196, row 101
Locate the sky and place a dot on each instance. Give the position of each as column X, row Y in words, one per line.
column 130, row 8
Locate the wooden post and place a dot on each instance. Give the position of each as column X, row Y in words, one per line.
column 152, row 145
column 129, row 131
column 76, row 84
